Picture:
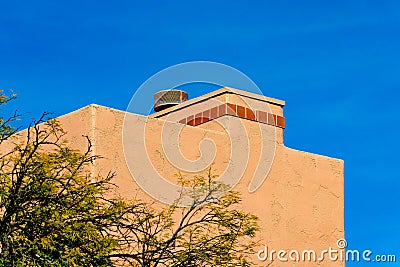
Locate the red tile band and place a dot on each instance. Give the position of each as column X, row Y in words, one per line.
column 280, row 122
column 241, row 112
column 214, row 113
column 231, row 109
column 250, row 115
column 237, row 111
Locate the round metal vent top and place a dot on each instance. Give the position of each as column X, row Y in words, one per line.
column 168, row 98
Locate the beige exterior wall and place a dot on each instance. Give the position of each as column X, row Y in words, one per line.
column 300, row 204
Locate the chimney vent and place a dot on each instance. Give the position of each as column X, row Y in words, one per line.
column 168, row 98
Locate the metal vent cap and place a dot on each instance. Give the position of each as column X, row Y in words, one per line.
column 169, row 98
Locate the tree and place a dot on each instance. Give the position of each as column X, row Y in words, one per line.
column 210, row 232
column 53, row 212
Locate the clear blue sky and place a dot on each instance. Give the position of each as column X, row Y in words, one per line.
column 336, row 63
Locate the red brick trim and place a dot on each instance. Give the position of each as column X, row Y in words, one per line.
column 237, row 111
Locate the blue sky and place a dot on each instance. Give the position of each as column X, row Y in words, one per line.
column 336, row 63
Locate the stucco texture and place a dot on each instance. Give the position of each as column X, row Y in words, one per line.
column 300, row 202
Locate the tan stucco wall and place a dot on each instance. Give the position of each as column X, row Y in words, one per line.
column 300, row 204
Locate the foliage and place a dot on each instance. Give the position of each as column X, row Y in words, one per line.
column 211, row 232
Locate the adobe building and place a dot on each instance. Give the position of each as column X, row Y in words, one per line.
column 298, row 196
